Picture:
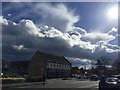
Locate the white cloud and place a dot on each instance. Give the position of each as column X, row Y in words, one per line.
column 81, row 62
column 52, row 32
column 96, row 37
column 57, row 16
column 3, row 21
column 113, row 30
column 9, row 15
column 80, row 30
column 18, row 47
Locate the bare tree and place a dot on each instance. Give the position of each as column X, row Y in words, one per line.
column 116, row 65
column 99, row 63
column 104, row 61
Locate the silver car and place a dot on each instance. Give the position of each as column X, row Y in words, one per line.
column 112, row 82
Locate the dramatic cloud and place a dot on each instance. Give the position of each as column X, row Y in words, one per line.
column 21, row 40
column 53, row 31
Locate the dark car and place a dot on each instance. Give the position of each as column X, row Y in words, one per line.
column 83, row 77
column 94, row 78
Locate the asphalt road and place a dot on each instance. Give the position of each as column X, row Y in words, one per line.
column 59, row 83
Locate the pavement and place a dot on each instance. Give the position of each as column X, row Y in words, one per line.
column 21, row 84
column 56, row 83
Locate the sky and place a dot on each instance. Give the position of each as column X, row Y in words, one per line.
column 81, row 31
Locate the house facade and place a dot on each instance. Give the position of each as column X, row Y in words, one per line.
column 51, row 66
column 58, row 69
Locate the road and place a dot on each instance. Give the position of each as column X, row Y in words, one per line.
column 59, row 83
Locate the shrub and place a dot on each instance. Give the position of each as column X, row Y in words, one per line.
column 12, row 80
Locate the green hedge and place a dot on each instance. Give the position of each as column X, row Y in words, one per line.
column 12, row 80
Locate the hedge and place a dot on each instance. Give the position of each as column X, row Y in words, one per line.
column 12, row 80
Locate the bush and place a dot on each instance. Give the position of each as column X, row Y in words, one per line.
column 12, row 80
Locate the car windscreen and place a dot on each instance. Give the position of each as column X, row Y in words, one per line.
column 111, row 80
column 18, row 77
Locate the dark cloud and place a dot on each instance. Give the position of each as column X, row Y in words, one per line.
column 21, row 40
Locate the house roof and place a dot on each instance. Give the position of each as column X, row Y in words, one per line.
column 47, row 56
column 53, row 58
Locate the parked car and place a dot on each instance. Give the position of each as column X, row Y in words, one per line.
column 18, row 76
column 83, row 77
column 94, row 78
column 117, row 76
column 25, row 77
column 112, row 82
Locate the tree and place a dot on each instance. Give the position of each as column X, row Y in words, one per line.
column 82, row 70
column 101, row 63
column 104, row 60
column 116, row 65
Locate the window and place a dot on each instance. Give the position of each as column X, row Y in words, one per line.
column 58, row 65
column 68, row 66
column 47, row 64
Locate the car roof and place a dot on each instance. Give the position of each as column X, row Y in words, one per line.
column 94, row 75
column 116, row 75
column 112, row 78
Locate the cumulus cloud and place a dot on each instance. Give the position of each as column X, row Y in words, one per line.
column 21, row 40
column 96, row 37
column 57, row 16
